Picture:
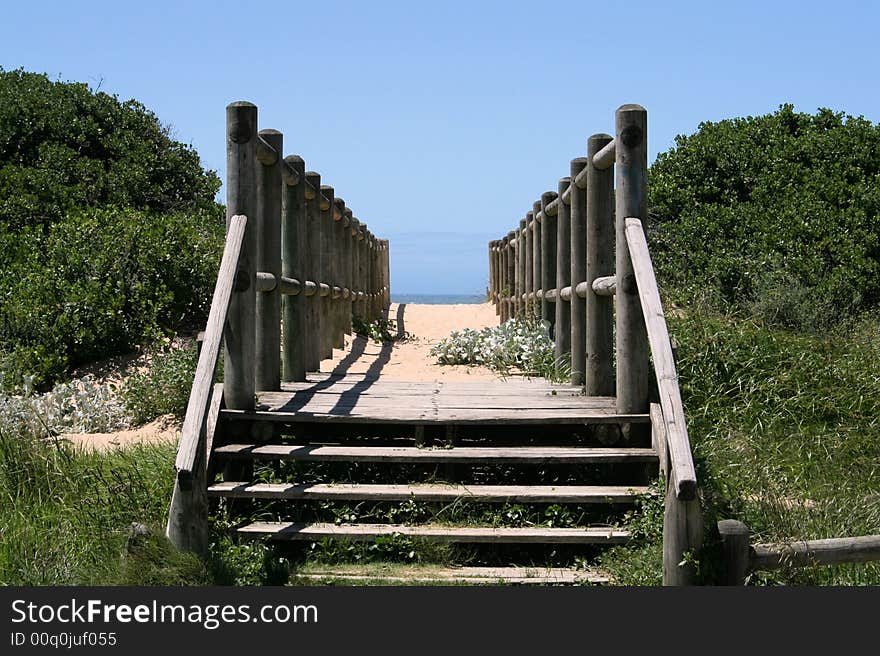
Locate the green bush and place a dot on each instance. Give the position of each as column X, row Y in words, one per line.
column 163, row 389
column 774, row 216
column 64, row 147
column 98, row 284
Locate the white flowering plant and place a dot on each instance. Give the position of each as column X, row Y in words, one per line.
column 518, row 345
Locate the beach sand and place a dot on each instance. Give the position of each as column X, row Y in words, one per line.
column 405, row 359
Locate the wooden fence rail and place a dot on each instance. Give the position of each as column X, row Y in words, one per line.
column 741, row 557
column 297, row 268
column 579, row 262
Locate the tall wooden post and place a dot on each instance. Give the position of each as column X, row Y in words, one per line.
column 292, row 233
column 528, row 286
column 362, row 271
column 511, row 274
column 313, row 260
column 355, row 266
column 387, row 273
column 563, row 273
column 349, row 268
column 268, row 303
column 631, row 143
column 548, row 258
column 536, row 259
column 328, row 254
column 599, row 375
column 502, row 278
column 578, row 212
column 241, row 198
column 337, row 213
column 491, row 290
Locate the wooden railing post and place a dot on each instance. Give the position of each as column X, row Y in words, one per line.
column 338, row 213
column 599, row 373
column 313, row 262
column 536, row 259
column 268, row 303
column 735, row 549
column 562, row 333
column 578, row 212
column 241, row 198
column 293, row 307
column 348, row 269
column 548, row 258
column 355, row 266
column 362, row 271
column 631, row 201
column 511, row 274
column 387, row 254
column 502, row 278
column 528, row 278
column 327, row 257
column 520, row 252
column 371, row 273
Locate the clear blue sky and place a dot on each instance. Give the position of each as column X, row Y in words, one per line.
column 440, row 123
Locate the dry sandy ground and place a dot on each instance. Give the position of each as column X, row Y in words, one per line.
column 407, row 359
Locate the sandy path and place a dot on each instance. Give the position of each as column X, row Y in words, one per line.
column 409, row 359
column 403, row 360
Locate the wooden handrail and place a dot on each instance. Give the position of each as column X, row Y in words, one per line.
column 193, row 429
column 682, row 472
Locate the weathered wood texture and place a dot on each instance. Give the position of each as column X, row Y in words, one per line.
column 631, row 201
column 578, row 273
column 562, row 324
column 268, row 226
column 682, row 518
column 682, row 475
column 293, row 222
column 430, row 492
column 548, row 258
column 301, row 531
column 188, row 516
column 461, row 454
column 239, row 334
column 599, row 376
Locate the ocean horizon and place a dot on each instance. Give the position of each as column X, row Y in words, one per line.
column 439, row 299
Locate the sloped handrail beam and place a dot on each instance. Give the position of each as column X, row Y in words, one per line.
column 683, row 476
column 191, row 457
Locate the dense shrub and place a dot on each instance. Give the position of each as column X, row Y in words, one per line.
column 99, row 283
column 774, row 216
column 164, row 388
column 64, row 147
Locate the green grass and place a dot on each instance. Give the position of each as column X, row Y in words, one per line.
column 65, row 514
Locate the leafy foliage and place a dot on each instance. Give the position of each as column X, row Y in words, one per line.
column 164, row 388
column 64, row 147
column 774, row 216
column 98, row 284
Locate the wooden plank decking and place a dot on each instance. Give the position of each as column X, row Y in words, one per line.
column 363, row 399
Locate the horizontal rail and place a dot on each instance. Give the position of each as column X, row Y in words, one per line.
column 740, row 557
column 832, row 551
column 604, row 158
column 682, row 471
column 197, row 408
column 605, row 286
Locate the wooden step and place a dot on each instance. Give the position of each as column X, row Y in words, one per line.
column 463, row 534
column 426, row 575
column 395, row 413
column 431, row 492
column 480, row 455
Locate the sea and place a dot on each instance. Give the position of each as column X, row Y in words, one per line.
column 438, row 299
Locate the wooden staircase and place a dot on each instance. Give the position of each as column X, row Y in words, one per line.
column 298, row 267
column 440, row 445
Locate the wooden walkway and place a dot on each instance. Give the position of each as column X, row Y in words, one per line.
column 365, row 400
